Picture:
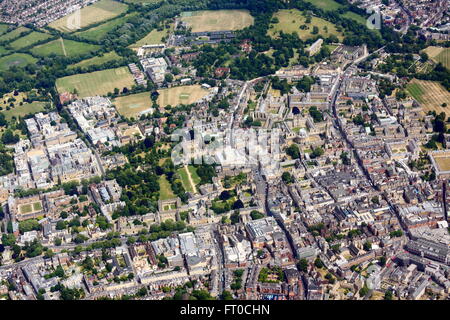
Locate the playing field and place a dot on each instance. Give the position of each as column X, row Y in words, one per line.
column 154, row 37
column 96, row 83
column 132, row 105
column 326, row 5
column 16, row 59
column 64, row 47
column 431, row 95
column 97, row 12
column 96, row 61
column 181, row 95
column 439, row 54
column 289, row 21
column 13, row 34
column 30, row 207
column 29, row 40
column 217, row 20
column 97, row 33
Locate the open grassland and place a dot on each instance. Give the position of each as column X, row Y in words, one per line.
column 132, row 105
column 97, row 33
column 289, row 21
column 3, row 51
column 13, row 34
column 16, row 59
column 326, row 5
column 64, row 47
column 29, row 40
column 97, row 61
column 217, row 20
column 431, row 95
column 96, row 83
column 180, row 95
column 3, row 28
column 165, row 190
column 154, row 37
column 97, row 12
column 439, row 54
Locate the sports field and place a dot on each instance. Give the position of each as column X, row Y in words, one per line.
column 217, row 20
column 439, row 54
column 154, row 37
column 64, row 47
column 431, row 95
column 16, row 59
column 98, row 60
column 132, row 105
column 13, row 34
column 96, row 83
column 97, row 33
column 97, row 12
column 289, row 21
column 181, row 95
column 326, row 5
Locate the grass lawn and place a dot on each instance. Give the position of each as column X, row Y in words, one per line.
column 131, row 105
column 217, row 20
column 431, row 95
column 29, row 40
column 97, row 33
column 23, row 110
column 96, row 83
column 144, row 1
column 13, row 34
column 165, row 191
column 16, row 59
column 185, row 180
column 355, row 16
column 291, row 20
column 326, row 5
column 154, row 37
column 194, row 175
column 439, row 54
column 181, row 95
column 98, row 60
column 97, row 12
column 26, row 208
column 63, row 47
